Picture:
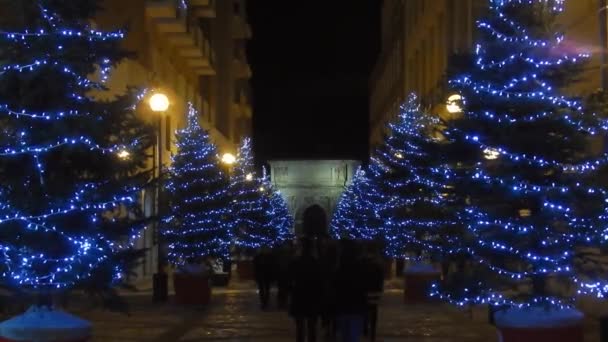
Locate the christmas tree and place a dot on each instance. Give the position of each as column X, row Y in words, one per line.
column 281, row 219
column 199, row 223
column 343, row 222
column 251, row 204
column 525, row 170
column 358, row 214
column 69, row 194
column 411, row 172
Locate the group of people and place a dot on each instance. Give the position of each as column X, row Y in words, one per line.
column 336, row 283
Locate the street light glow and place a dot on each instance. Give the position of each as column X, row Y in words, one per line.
column 249, row 177
column 159, row 102
column 491, row 153
column 123, row 154
column 453, row 104
column 228, row 159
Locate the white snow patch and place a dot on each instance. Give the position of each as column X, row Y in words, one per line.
column 43, row 324
column 537, row 317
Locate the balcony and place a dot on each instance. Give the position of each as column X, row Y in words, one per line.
column 241, row 28
column 170, row 19
column 202, row 8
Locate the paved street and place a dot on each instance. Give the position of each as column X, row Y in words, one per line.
column 234, row 316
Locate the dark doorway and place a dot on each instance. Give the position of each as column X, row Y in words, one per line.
column 314, row 222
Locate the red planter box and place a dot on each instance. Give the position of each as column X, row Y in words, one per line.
column 417, row 286
column 558, row 334
column 244, row 268
column 191, row 290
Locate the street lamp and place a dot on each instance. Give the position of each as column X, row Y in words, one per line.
column 454, row 104
column 249, row 177
column 491, row 153
column 159, row 103
column 228, row 159
column 123, row 154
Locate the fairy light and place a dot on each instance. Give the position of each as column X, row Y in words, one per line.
column 199, row 221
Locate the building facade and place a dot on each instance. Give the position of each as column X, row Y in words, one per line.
column 193, row 51
column 419, row 40
column 311, row 184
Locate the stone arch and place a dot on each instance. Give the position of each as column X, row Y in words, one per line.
column 315, row 221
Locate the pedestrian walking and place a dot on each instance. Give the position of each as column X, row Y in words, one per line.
column 263, row 274
column 374, row 286
column 283, row 256
column 350, row 293
column 306, row 292
column 328, row 257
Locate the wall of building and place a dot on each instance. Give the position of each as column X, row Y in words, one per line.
column 305, row 183
column 420, row 37
column 187, row 53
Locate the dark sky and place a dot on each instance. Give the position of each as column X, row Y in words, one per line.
column 311, row 62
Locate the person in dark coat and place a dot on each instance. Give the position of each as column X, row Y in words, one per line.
column 350, row 293
column 306, row 292
column 374, row 285
column 283, row 256
column 328, row 257
column 263, row 274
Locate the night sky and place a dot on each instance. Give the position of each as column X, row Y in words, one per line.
column 311, row 64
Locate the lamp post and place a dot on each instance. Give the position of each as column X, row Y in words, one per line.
column 228, row 159
column 159, row 103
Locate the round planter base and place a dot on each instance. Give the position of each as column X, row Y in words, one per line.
column 557, row 334
column 539, row 324
column 41, row 324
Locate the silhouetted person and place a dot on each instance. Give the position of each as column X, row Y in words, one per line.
column 306, row 292
column 283, row 256
column 374, row 285
column 350, row 294
column 328, row 257
column 263, row 274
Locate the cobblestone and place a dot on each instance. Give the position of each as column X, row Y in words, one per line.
column 234, row 315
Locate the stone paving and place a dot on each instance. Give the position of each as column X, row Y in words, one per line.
column 234, row 315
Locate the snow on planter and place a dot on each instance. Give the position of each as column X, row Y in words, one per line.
column 41, row 324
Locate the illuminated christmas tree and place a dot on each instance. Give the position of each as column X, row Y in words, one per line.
column 358, row 214
column 412, row 175
column 525, row 168
column 200, row 223
column 251, row 204
column 69, row 193
column 281, row 219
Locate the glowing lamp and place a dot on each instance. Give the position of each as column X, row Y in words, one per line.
column 159, row 102
column 249, row 177
column 491, row 153
column 454, row 104
column 525, row 212
column 123, row 154
column 228, row 159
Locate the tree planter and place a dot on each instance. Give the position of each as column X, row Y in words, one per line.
column 41, row 324
column 538, row 324
column 191, row 289
column 244, row 269
column 417, row 283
